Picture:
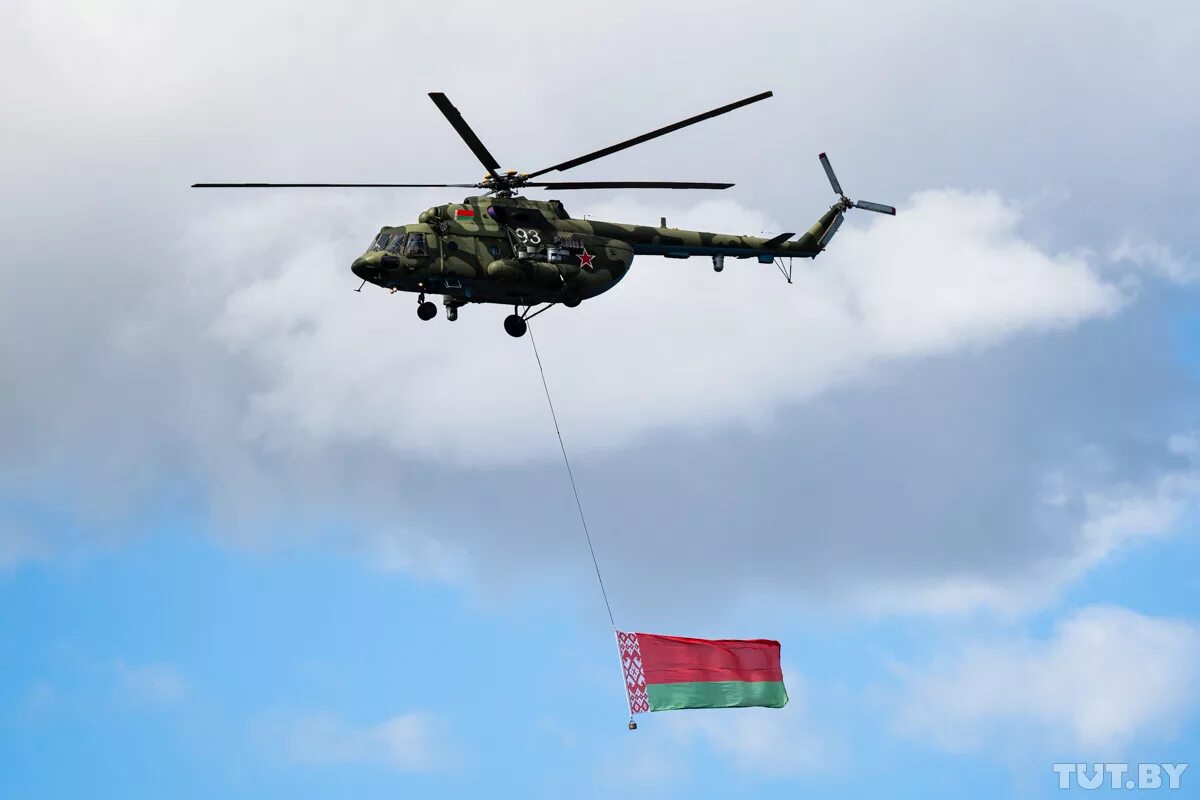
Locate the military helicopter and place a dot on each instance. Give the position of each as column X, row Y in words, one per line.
column 501, row 248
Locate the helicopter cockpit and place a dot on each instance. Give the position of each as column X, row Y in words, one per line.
column 400, row 243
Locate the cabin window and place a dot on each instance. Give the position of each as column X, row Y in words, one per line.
column 381, row 241
column 397, row 243
column 415, row 246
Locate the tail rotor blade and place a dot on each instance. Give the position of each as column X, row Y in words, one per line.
column 837, row 223
column 878, row 207
column 833, row 181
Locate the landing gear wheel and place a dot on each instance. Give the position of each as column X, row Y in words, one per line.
column 427, row 311
column 515, row 326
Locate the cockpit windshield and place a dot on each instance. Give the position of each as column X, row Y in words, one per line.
column 415, row 246
column 408, row 244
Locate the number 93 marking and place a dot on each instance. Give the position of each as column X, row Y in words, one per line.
column 527, row 235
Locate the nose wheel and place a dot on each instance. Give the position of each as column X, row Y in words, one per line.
column 426, row 310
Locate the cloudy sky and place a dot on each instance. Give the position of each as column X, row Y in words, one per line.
column 262, row 535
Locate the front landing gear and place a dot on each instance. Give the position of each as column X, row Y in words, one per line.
column 515, row 326
column 425, row 309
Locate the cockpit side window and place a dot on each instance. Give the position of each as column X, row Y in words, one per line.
column 397, row 243
column 381, row 241
column 415, row 246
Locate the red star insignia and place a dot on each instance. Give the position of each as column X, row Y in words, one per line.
column 585, row 260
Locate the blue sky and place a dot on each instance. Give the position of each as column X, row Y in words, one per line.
column 262, row 535
column 173, row 666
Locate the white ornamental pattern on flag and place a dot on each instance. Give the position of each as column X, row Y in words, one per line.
column 635, row 677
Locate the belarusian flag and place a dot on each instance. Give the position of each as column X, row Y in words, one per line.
column 669, row 672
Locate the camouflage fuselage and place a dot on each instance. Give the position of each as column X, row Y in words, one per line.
column 516, row 251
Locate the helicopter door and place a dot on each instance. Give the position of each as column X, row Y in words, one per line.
column 458, row 255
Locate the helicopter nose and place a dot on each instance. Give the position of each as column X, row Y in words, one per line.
column 364, row 269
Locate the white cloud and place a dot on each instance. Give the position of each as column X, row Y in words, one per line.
column 335, row 369
column 1155, row 258
column 639, row 765
column 150, row 685
column 404, row 552
column 761, row 740
column 1127, row 513
column 1106, row 677
column 951, row 271
column 412, row 742
column 240, row 372
column 1115, row 515
column 766, row 741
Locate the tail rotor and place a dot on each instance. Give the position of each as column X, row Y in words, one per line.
column 845, row 203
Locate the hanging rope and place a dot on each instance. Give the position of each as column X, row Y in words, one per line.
column 579, row 505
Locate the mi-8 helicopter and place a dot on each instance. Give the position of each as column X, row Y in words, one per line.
column 500, row 248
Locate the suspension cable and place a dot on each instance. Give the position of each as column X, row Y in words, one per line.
column 570, row 474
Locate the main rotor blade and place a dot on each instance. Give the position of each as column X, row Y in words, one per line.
column 627, row 185
column 833, row 181
column 464, row 130
column 333, row 185
column 645, row 137
column 880, row 207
